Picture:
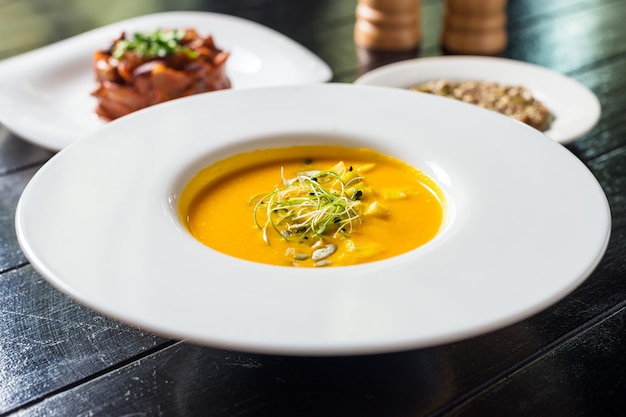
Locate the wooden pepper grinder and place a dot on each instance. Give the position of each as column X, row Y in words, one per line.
column 388, row 25
column 475, row 27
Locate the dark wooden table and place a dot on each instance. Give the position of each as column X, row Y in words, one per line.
column 58, row 358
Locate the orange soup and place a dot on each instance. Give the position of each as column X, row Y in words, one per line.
column 312, row 206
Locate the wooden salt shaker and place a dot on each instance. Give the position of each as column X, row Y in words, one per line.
column 475, row 27
column 388, row 25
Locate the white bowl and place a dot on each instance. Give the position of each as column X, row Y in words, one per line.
column 100, row 222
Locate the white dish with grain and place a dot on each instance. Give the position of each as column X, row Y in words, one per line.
column 575, row 108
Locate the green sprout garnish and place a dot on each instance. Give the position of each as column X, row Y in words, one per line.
column 157, row 44
column 310, row 205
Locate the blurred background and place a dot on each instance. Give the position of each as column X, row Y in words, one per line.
column 30, row 24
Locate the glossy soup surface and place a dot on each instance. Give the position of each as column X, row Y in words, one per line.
column 394, row 207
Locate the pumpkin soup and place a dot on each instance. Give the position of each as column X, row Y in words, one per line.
column 312, row 206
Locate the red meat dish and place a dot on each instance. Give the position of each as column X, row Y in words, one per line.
column 145, row 69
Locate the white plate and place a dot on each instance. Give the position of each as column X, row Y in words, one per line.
column 576, row 108
column 45, row 94
column 99, row 221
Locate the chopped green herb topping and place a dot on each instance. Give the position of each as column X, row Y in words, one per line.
column 157, row 44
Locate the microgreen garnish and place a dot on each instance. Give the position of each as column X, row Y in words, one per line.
column 309, row 205
column 157, row 44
